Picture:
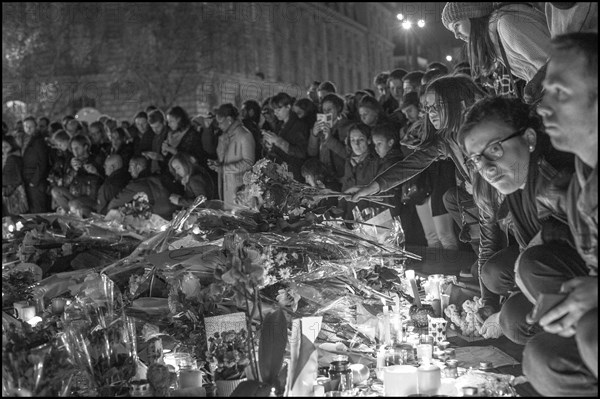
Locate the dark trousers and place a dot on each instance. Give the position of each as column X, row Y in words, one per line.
column 497, row 276
column 37, row 198
column 462, row 208
column 554, row 365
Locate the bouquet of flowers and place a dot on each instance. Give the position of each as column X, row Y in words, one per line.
column 228, row 354
column 271, row 188
column 34, row 362
column 138, row 208
column 17, row 286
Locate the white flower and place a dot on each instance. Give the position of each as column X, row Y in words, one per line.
column 190, row 285
column 281, row 258
column 285, row 273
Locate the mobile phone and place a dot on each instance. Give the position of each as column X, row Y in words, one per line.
column 325, row 118
column 545, row 303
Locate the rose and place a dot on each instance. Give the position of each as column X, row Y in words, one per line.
column 190, row 286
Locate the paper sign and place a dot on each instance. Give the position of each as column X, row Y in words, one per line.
column 222, row 323
column 311, row 326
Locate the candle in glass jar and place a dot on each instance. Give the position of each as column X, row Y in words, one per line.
column 424, row 351
column 429, row 379
column 189, row 378
column 400, row 380
column 27, row 312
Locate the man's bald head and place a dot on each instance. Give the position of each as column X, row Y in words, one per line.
column 112, row 163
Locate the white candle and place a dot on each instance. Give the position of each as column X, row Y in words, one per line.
column 400, row 380
column 386, row 323
column 429, row 379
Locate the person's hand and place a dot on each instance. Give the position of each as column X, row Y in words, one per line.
column 155, row 156
column 166, row 149
column 75, row 164
column 563, row 318
column 371, row 189
column 269, row 137
column 326, row 131
column 491, row 327
column 214, row 165
column 174, row 198
column 88, row 167
column 317, row 129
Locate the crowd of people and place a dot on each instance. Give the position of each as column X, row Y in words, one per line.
column 500, row 153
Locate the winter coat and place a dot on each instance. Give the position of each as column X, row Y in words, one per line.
column 236, row 155
column 111, row 187
column 295, row 132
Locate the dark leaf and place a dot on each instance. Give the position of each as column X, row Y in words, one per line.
column 273, row 340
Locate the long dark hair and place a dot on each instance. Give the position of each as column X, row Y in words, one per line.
column 451, row 93
column 515, row 114
column 480, row 48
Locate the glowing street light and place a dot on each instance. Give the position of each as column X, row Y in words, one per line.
column 421, row 23
column 449, row 58
column 400, row 17
column 407, row 25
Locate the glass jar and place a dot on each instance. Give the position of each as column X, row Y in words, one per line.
column 340, row 375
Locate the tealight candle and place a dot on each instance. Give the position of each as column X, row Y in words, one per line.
column 424, row 351
column 18, row 306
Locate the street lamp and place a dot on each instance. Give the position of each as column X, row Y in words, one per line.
column 400, row 17
column 449, row 58
column 421, row 23
column 406, row 25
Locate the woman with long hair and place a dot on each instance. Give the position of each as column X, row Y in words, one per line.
column 514, row 35
column 515, row 176
column 446, row 100
column 182, row 136
column 195, row 180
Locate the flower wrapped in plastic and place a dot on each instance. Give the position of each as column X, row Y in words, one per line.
column 107, row 352
column 33, row 363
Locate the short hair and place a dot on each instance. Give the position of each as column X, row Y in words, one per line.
column 156, row 116
column 315, row 168
column 111, row 124
column 409, row 99
column 431, row 75
column 397, row 74
column 381, row 78
column 414, row 77
column 307, row 105
column 30, row 118
column 336, row 100
column 150, row 108
column 81, row 139
column 585, row 44
column 437, row 65
column 254, row 106
column 227, row 110
column 327, row 86
column 371, row 103
column 369, row 92
column 179, row 113
column 43, row 118
column 282, row 100
column 387, row 130
column 55, row 127
column 98, row 126
column 141, row 114
column 139, row 160
column 361, row 127
column 314, row 83
column 121, row 132
column 61, row 136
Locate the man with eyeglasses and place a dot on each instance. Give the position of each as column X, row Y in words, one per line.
column 563, row 360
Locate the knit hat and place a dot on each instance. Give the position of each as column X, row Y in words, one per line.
column 455, row 11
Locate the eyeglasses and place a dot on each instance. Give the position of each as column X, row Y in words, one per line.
column 492, row 152
column 434, row 107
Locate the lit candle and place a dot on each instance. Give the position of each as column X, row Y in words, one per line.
column 410, row 275
column 386, row 323
column 424, row 351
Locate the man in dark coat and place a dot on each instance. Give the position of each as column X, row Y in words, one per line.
column 142, row 181
column 35, row 166
column 117, row 178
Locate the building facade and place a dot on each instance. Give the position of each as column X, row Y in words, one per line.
column 121, row 57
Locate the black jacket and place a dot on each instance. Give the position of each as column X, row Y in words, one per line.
column 35, row 161
column 112, row 185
